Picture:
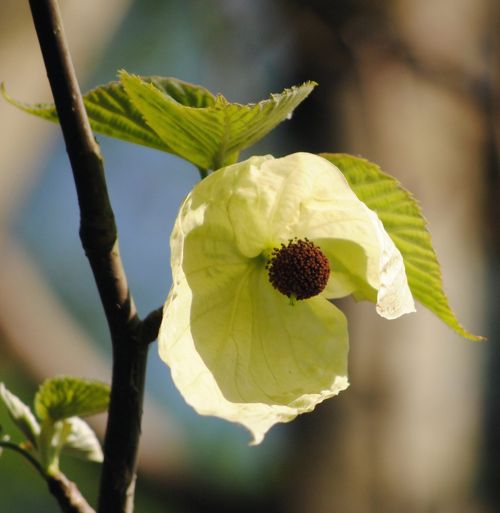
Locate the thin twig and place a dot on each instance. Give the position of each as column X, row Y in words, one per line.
column 65, row 491
column 99, row 239
column 15, row 447
column 67, row 494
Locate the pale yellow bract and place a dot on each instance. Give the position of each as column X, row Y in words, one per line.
column 236, row 347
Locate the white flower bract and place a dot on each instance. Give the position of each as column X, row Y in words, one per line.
column 236, row 347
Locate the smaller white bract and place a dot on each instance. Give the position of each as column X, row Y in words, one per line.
column 258, row 249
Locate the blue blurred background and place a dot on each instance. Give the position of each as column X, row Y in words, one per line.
column 408, row 84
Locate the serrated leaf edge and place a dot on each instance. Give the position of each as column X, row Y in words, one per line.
column 442, row 302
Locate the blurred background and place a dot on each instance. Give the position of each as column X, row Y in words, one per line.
column 410, row 84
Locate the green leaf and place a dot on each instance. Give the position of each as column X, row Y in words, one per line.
column 71, row 436
column 81, row 441
column 210, row 131
column 63, row 397
column 110, row 113
column 403, row 220
column 20, row 414
column 179, row 118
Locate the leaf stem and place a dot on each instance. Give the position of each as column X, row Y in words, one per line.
column 99, row 238
column 203, row 172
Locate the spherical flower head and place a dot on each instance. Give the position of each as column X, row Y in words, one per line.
column 258, row 250
column 299, row 269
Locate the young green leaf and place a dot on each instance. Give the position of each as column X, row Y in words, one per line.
column 81, row 441
column 20, row 414
column 178, row 117
column 212, row 133
column 65, row 396
column 404, row 222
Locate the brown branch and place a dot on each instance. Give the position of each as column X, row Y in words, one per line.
column 98, row 234
column 67, row 494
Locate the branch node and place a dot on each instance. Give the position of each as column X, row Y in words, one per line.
column 150, row 326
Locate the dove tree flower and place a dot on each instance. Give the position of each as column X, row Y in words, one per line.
column 258, row 250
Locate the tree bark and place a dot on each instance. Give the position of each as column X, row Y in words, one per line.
column 99, row 238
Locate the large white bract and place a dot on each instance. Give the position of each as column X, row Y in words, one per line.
column 237, row 348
